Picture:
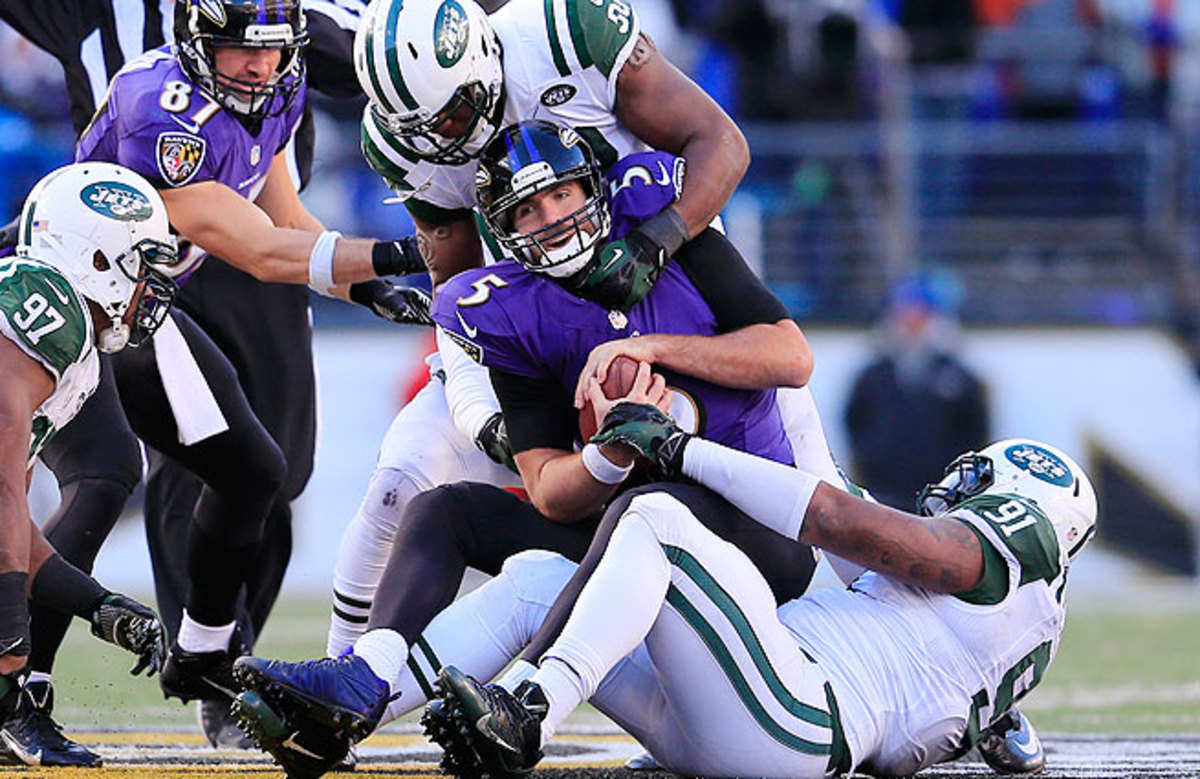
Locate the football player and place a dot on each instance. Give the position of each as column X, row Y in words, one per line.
column 246, row 317
column 534, row 335
column 441, row 78
column 206, row 122
column 675, row 635
column 88, row 280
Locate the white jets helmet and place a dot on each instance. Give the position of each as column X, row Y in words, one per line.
column 423, row 62
column 105, row 228
column 1031, row 469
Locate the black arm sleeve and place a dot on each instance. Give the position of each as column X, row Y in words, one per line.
column 330, row 58
column 736, row 296
column 538, row 412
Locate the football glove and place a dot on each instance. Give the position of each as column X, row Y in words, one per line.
column 622, row 273
column 647, row 429
column 625, row 270
column 401, row 305
column 130, row 625
column 493, row 440
column 397, row 258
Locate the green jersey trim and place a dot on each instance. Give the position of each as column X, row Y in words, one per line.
column 385, row 155
column 43, row 314
column 1025, row 531
column 556, row 49
column 993, row 586
column 599, row 32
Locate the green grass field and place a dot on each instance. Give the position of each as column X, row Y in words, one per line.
column 1115, row 673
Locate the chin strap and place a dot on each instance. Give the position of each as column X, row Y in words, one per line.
column 114, row 338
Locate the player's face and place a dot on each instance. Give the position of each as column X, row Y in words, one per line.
column 251, row 66
column 550, row 206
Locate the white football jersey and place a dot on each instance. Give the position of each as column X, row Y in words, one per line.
column 917, row 674
column 42, row 314
column 561, row 61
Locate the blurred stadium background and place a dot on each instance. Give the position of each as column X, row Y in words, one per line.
column 1036, row 161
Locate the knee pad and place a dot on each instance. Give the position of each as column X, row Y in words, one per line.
column 538, row 576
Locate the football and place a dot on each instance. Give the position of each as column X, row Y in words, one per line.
column 617, row 384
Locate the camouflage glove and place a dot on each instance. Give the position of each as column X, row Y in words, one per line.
column 493, row 440
column 401, row 305
column 130, row 625
column 647, row 429
column 622, row 273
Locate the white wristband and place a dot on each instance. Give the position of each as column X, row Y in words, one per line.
column 320, row 262
column 603, row 469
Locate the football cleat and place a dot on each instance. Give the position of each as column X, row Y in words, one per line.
column 304, row 752
column 485, row 730
column 643, row 761
column 1012, row 746
column 32, row 737
column 342, row 695
column 220, row 726
column 206, row 676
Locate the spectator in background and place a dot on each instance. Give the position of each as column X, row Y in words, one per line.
column 914, row 406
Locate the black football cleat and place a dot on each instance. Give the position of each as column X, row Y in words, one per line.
column 342, row 694
column 220, row 726
column 303, row 752
column 485, row 730
column 1012, row 746
column 205, row 676
column 32, row 737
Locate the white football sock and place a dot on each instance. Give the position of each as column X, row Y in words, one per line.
column 194, row 637
column 384, row 651
column 363, row 554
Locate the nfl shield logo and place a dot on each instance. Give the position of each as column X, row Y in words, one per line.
column 179, row 157
column 255, row 154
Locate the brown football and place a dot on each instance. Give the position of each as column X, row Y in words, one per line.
column 617, row 384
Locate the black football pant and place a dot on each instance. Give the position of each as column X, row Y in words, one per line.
column 469, row 524
column 97, row 462
column 265, row 332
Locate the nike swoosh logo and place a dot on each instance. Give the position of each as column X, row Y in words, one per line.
column 219, row 688
column 471, row 332
column 666, row 177
column 290, row 743
column 16, row 642
column 483, row 725
column 58, row 293
column 191, row 128
column 24, row 755
column 1024, row 744
column 616, row 256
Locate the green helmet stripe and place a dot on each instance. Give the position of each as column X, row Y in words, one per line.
column 577, row 37
column 391, row 54
column 27, row 228
column 560, row 59
column 373, row 70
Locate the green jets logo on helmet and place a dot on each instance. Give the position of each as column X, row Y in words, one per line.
column 1040, row 463
column 450, row 29
column 116, row 201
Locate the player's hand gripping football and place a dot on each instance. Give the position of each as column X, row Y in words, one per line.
column 639, row 349
column 130, row 625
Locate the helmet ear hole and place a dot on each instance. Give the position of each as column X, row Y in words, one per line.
column 99, row 261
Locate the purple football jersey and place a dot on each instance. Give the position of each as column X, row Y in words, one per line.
column 524, row 323
column 639, row 186
column 157, row 122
